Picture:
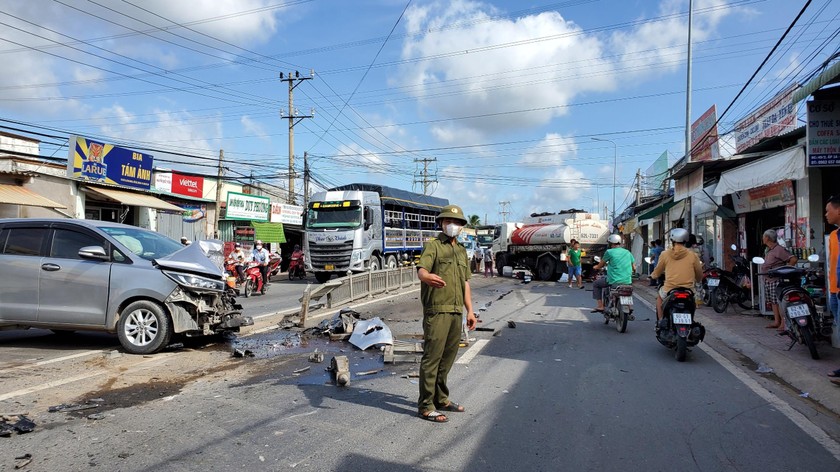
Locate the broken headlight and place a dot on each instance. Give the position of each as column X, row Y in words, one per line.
column 196, row 282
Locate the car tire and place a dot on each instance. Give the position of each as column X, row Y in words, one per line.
column 144, row 328
column 62, row 332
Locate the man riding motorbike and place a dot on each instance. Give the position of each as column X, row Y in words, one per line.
column 261, row 257
column 238, row 257
column 619, row 272
column 681, row 266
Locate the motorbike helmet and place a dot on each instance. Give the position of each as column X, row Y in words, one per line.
column 679, row 235
column 614, row 239
column 237, row 245
column 258, row 242
column 297, row 247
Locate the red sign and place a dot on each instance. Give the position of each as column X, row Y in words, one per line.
column 188, row 185
column 704, row 137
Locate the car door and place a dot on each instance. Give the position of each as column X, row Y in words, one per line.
column 21, row 248
column 73, row 290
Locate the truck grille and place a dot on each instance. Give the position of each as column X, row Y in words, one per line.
column 336, row 254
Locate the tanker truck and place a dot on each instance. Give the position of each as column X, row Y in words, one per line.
column 538, row 242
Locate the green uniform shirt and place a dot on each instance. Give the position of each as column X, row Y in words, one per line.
column 620, row 266
column 574, row 256
column 449, row 262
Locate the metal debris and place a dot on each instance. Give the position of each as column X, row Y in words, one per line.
column 22, row 461
column 511, row 324
column 370, row 333
column 316, row 357
column 96, row 416
column 242, row 353
column 65, row 407
column 301, row 370
column 23, row 425
column 340, row 369
column 369, row 372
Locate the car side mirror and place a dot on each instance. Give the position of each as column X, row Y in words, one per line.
column 758, row 260
column 94, row 252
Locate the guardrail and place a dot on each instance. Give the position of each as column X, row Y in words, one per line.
column 357, row 286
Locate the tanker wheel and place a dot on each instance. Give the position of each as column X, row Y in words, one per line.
column 546, row 268
column 501, row 262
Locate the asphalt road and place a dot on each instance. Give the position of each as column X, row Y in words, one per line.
column 560, row 391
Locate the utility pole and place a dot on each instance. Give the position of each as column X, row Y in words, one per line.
column 305, row 180
column 688, row 91
column 218, row 195
column 504, row 210
column 294, row 79
column 638, row 186
column 426, row 179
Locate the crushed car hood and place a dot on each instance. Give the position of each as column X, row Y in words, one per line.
column 197, row 258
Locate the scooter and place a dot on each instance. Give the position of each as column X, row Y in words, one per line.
column 732, row 287
column 618, row 304
column 677, row 329
column 296, row 266
column 253, row 279
column 274, row 261
column 804, row 324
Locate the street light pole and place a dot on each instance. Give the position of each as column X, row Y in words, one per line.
column 615, row 164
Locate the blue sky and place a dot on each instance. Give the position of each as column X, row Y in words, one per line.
column 506, row 96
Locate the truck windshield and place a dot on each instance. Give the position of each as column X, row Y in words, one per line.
column 334, row 217
column 485, row 239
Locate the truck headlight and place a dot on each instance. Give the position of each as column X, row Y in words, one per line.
column 196, row 282
column 357, row 256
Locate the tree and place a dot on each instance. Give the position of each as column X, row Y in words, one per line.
column 474, row 221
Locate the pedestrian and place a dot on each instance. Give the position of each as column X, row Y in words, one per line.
column 832, row 216
column 488, row 263
column 573, row 263
column 185, row 241
column 776, row 256
column 444, row 274
column 478, row 255
column 655, row 251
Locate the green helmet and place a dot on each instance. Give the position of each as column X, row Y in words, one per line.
column 452, row 211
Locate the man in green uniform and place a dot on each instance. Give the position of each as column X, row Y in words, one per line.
column 445, row 291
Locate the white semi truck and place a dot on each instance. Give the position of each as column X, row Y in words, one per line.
column 539, row 242
column 359, row 227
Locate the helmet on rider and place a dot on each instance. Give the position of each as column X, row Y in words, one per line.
column 679, row 235
column 237, row 245
column 297, row 247
column 614, row 239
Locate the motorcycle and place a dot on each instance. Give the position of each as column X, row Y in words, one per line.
column 274, row 261
column 677, row 329
column 732, row 287
column 252, row 283
column 296, row 266
column 804, row 324
column 618, row 304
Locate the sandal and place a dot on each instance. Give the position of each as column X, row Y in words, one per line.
column 596, row 310
column 433, row 416
column 452, row 406
column 834, row 373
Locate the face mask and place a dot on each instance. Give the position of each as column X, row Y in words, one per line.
column 451, row 230
column 259, row 247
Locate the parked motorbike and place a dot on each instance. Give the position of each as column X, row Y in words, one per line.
column 731, row 287
column 253, row 279
column 804, row 325
column 677, row 329
column 618, row 304
column 296, row 266
column 274, row 261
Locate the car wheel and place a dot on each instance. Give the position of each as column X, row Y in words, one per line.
column 144, row 328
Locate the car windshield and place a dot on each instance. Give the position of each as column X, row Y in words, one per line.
column 334, row 217
column 144, row 243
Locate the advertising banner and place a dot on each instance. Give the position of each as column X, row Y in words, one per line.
column 704, row 137
column 286, row 214
column 761, row 198
column 241, row 206
column 688, row 185
column 193, row 212
column 771, row 119
column 823, row 133
column 92, row 161
column 173, row 182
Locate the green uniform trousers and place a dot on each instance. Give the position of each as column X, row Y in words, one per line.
column 441, row 336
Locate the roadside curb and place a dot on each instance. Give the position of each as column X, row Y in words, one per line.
column 799, row 376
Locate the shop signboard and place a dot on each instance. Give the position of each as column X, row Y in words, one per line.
column 688, row 185
column 823, row 133
column 287, row 214
column 180, row 184
column 773, row 118
column 241, row 206
column 244, row 234
column 94, row 161
column 768, row 196
column 193, row 212
column 704, row 137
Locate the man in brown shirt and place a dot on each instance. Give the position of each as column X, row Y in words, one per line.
column 776, row 256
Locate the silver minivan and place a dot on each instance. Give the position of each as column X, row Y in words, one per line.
column 71, row 275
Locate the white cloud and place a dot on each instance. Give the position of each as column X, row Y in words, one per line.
column 254, row 128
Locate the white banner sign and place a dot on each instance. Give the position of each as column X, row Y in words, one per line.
column 241, row 206
column 286, row 214
column 775, row 117
column 823, row 133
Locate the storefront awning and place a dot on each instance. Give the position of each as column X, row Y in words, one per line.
column 656, row 211
column 785, row 165
column 17, row 195
column 135, row 199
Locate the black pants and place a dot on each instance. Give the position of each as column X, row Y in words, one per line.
column 264, row 273
column 240, row 271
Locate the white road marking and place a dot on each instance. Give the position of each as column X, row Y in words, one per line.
column 796, row 417
column 52, row 361
column 472, row 351
column 800, row 420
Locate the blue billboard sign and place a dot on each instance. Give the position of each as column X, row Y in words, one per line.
column 96, row 162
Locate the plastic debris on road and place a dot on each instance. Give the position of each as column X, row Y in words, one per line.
column 763, row 369
column 371, row 332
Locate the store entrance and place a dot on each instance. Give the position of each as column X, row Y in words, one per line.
column 757, row 223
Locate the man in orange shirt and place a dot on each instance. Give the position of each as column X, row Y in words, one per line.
column 832, row 216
